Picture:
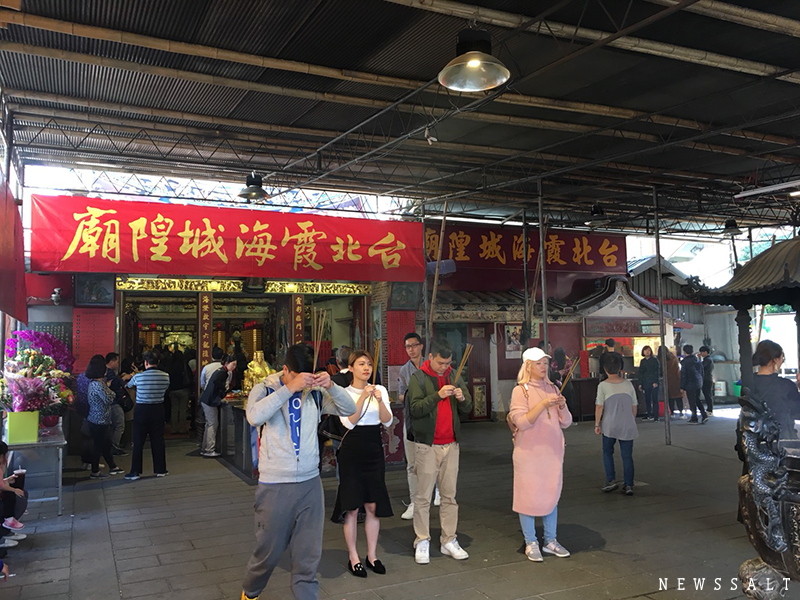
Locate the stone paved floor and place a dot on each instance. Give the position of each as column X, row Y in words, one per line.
column 189, row 535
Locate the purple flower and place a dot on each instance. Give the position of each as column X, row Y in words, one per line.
column 46, row 343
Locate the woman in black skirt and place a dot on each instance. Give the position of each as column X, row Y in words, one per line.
column 362, row 466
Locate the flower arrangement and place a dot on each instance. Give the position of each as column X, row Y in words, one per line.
column 45, row 343
column 36, row 375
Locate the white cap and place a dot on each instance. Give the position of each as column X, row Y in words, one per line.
column 534, row 354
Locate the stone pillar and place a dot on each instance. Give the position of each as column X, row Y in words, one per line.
column 745, row 346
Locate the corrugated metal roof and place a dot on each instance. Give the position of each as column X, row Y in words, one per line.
column 389, row 39
column 772, row 277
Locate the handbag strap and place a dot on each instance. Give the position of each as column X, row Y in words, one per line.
column 361, row 416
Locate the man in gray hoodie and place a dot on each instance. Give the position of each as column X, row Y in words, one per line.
column 286, row 408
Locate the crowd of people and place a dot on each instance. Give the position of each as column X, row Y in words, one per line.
column 151, row 396
column 433, row 402
column 286, row 408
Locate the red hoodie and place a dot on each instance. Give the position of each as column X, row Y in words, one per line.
column 444, row 411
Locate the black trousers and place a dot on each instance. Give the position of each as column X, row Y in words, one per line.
column 148, row 420
column 101, row 436
column 694, row 403
column 708, row 394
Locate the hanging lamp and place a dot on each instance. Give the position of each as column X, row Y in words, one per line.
column 474, row 69
column 254, row 189
column 731, row 228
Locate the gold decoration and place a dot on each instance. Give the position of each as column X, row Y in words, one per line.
column 318, row 287
column 149, row 284
column 257, row 369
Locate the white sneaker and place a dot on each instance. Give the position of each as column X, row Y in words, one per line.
column 437, row 499
column 211, row 454
column 7, row 543
column 553, row 547
column 409, row 513
column 533, row 553
column 454, row 550
column 422, row 554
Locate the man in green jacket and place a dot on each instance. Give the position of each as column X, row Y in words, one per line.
column 435, row 400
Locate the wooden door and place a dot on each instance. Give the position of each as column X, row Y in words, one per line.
column 478, row 376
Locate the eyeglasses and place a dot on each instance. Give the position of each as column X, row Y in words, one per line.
column 410, row 346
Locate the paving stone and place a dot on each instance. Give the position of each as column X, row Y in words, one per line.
column 180, row 538
column 137, row 563
column 145, row 588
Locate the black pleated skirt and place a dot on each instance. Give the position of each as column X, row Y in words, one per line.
column 362, row 470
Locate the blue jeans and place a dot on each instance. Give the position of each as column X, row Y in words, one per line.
column 651, row 400
column 550, row 523
column 626, row 450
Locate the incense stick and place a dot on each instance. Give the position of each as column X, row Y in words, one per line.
column 569, row 375
column 318, row 326
column 377, row 355
column 464, row 359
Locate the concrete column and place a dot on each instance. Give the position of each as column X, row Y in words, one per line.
column 745, row 346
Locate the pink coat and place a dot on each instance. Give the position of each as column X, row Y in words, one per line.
column 538, row 450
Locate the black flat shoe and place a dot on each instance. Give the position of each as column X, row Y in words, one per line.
column 376, row 567
column 358, row 570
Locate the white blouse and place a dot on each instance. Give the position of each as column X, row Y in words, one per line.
column 371, row 408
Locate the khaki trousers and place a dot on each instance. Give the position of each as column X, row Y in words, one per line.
column 410, row 465
column 436, row 464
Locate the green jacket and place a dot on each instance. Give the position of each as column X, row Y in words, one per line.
column 423, row 398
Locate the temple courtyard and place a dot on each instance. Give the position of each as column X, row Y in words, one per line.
column 188, row 536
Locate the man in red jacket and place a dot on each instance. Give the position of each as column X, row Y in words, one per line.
column 436, row 400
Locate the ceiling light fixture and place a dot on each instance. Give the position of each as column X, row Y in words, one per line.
column 254, row 189
column 598, row 217
column 731, row 228
column 474, row 69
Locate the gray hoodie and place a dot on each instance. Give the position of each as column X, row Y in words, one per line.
column 267, row 405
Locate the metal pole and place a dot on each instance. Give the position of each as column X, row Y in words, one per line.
column 425, row 288
column 544, row 270
column 526, row 325
column 663, row 392
column 9, row 134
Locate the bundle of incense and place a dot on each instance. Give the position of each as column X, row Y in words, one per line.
column 318, row 327
column 464, row 359
column 569, row 375
column 377, row 355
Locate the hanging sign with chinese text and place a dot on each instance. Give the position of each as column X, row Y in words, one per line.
column 204, row 316
column 502, row 248
column 113, row 236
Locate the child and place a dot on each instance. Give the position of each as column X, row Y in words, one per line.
column 13, row 500
column 615, row 419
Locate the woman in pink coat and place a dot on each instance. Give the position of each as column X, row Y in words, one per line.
column 537, row 415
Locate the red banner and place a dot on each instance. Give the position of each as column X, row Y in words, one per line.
column 114, row 236
column 502, row 248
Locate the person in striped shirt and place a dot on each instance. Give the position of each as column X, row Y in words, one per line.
column 148, row 416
